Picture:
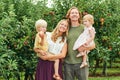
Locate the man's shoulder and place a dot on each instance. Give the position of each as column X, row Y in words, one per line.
column 82, row 26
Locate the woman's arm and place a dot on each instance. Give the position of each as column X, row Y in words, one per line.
column 39, row 51
column 58, row 56
column 63, row 52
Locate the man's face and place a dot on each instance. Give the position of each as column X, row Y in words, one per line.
column 74, row 15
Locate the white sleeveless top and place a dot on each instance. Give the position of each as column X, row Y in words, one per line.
column 55, row 47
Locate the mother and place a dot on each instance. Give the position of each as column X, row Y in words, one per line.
column 45, row 67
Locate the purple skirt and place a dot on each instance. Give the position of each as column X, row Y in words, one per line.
column 45, row 70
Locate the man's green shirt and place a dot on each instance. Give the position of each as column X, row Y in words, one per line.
column 73, row 34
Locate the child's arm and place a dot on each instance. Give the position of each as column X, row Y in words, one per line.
column 41, row 35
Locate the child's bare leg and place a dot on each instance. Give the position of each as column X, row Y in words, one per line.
column 84, row 59
column 56, row 68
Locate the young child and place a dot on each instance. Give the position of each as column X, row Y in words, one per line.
column 85, row 39
column 40, row 40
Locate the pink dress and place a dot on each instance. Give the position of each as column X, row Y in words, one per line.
column 82, row 39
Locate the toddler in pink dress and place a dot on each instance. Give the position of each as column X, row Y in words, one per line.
column 85, row 39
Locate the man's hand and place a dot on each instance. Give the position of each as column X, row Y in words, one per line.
column 86, row 44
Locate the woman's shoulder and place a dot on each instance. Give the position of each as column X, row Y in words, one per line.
column 48, row 35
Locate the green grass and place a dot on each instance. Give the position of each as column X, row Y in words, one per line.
column 104, row 78
column 92, row 78
column 110, row 71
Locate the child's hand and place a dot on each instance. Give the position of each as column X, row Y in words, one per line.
column 41, row 34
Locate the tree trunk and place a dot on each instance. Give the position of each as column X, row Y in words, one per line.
column 96, row 66
column 104, row 69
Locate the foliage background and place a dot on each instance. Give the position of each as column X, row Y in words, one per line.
column 17, row 33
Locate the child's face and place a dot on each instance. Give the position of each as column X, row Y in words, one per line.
column 63, row 26
column 43, row 29
column 87, row 23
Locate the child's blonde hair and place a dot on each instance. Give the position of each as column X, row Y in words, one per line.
column 89, row 17
column 40, row 23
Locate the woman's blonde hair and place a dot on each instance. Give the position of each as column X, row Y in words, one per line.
column 68, row 14
column 55, row 33
column 89, row 17
column 40, row 23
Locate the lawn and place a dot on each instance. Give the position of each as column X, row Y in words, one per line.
column 92, row 78
column 110, row 71
column 105, row 78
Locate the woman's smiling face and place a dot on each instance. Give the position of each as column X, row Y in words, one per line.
column 63, row 26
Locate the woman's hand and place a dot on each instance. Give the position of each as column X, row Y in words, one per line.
column 45, row 57
column 48, row 56
column 43, row 53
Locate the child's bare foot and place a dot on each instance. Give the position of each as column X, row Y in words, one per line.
column 83, row 64
column 57, row 77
